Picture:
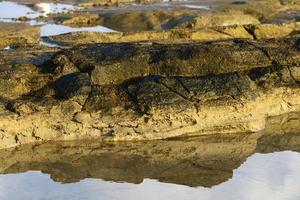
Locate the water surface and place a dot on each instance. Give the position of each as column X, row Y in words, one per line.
column 54, row 29
column 246, row 166
column 269, row 177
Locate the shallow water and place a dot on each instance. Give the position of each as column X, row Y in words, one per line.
column 51, row 8
column 54, row 29
column 12, row 10
column 269, row 177
column 246, row 166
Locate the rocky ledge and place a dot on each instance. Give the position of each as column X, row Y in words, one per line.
column 146, row 91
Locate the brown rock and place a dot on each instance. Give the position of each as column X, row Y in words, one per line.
column 18, row 34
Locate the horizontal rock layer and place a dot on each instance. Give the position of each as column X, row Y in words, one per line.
column 259, row 31
column 116, row 63
column 142, row 91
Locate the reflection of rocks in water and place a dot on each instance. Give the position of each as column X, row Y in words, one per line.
column 282, row 133
column 201, row 161
column 204, row 161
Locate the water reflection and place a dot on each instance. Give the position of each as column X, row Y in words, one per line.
column 236, row 166
column 197, row 6
column 54, row 29
column 51, row 8
column 12, row 10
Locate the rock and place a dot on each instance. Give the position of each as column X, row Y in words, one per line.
column 259, row 31
column 263, row 10
column 115, row 73
column 273, row 31
column 220, row 20
column 61, row 64
column 28, row 55
column 82, row 20
column 75, row 85
column 153, row 85
column 83, row 117
column 105, row 98
column 116, row 63
column 170, row 36
column 143, row 20
column 95, row 3
column 21, row 79
column 18, row 34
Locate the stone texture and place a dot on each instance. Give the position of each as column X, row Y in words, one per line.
column 73, row 85
column 18, row 34
column 220, row 20
column 116, row 63
column 228, row 73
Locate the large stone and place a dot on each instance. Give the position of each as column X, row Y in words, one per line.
column 73, row 85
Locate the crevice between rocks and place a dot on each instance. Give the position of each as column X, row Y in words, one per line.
column 189, row 99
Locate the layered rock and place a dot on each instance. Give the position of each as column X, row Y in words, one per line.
column 143, row 91
column 225, row 69
column 116, row 63
column 259, row 31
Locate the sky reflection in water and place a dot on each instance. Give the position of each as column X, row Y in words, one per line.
column 54, row 29
column 12, row 10
column 273, row 176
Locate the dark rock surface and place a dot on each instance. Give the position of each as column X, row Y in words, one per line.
column 116, row 63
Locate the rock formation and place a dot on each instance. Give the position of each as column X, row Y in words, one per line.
column 224, row 70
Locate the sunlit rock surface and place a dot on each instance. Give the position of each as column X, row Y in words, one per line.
column 74, row 72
